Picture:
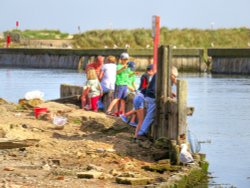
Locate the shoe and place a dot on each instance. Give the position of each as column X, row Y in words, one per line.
column 125, row 119
column 142, row 137
column 133, row 124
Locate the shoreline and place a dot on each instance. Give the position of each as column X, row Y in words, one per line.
column 90, row 143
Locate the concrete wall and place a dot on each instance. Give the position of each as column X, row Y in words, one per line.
column 230, row 61
column 183, row 59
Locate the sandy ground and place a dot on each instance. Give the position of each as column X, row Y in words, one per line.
column 89, row 142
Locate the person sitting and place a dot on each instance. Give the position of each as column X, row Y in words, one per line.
column 144, row 80
column 92, row 89
column 150, row 100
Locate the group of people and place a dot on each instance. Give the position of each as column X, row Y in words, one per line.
column 120, row 77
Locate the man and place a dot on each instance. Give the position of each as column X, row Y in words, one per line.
column 150, row 101
column 97, row 65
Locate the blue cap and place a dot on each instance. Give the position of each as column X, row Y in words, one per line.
column 131, row 65
column 150, row 67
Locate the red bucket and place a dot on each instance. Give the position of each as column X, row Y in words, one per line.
column 38, row 111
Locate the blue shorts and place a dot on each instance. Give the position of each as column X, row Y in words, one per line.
column 120, row 92
column 138, row 102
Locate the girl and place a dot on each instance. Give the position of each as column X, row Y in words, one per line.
column 92, row 89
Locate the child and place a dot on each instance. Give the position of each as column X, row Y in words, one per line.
column 131, row 77
column 138, row 111
column 120, row 93
column 93, row 89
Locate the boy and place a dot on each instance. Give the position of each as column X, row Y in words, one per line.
column 120, row 93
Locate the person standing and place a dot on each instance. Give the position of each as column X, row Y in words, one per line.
column 92, row 89
column 97, row 65
column 108, row 75
column 121, row 82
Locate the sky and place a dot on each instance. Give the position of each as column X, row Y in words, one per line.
column 69, row 16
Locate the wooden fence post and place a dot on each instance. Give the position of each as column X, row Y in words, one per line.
column 163, row 90
column 182, row 110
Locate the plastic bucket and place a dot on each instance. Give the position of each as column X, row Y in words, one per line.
column 38, row 111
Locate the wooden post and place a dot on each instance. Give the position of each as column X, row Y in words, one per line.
column 163, row 90
column 182, row 110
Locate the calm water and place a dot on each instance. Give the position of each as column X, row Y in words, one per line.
column 222, row 115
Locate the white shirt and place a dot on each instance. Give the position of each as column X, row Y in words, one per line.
column 109, row 76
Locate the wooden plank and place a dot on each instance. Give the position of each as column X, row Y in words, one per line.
column 182, row 107
column 10, row 144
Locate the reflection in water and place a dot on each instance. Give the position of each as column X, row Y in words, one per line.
column 222, row 108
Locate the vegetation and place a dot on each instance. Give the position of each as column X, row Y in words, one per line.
column 141, row 38
column 17, row 35
column 181, row 38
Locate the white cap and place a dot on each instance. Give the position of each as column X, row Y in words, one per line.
column 124, row 55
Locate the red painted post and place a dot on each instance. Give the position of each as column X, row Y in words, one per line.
column 17, row 24
column 8, row 40
column 156, row 37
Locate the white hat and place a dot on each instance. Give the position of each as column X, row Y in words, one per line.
column 124, row 55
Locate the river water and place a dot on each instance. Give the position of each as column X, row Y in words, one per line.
column 221, row 118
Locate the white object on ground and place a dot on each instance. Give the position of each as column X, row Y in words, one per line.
column 185, row 156
column 59, row 120
column 34, row 95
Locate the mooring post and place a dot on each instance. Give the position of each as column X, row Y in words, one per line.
column 182, row 110
column 163, row 90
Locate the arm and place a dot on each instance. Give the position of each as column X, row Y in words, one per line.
column 122, row 69
column 101, row 75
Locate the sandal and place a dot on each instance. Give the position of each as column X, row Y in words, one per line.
column 110, row 113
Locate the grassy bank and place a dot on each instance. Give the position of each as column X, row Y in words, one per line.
column 141, row 38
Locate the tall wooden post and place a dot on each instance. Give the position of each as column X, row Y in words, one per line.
column 182, row 110
column 163, row 90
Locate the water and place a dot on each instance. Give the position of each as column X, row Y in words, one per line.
column 16, row 82
column 222, row 106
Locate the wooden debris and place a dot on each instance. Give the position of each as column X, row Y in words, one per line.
column 10, row 144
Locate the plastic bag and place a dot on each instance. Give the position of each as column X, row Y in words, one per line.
column 59, row 120
column 34, row 95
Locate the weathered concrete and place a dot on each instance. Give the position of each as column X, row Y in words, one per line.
column 230, row 61
column 183, row 59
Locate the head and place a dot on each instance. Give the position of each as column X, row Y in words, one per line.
column 99, row 60
column 131, row 65
column 124, row 58
column 150, row 69
column 91, row 74
column 174, row 74
column 111, row 59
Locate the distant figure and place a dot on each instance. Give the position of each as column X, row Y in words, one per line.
column 120, row 94
column 92, row 90
column 185, row 156
column 97, row 65
column 108, row 74
column 173, row 78
column 8, row 40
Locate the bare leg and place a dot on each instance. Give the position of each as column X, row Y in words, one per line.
column 140, row 117
column 122, row 106
column 112, row 104
column 132, row 120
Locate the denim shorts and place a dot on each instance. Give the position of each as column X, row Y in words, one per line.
column 120, row 92
column 138, row 102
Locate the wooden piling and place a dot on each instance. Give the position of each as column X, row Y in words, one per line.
column 163, row 90
column 182, row 110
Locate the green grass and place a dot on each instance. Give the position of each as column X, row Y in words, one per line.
column 140, row 38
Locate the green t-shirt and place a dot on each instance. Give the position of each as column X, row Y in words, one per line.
column 131, row 78
column 122, row 77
